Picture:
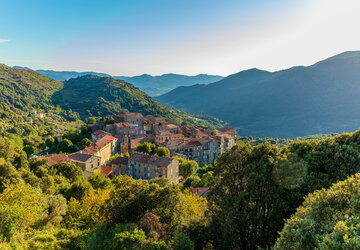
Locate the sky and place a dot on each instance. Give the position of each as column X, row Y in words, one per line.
column 133, row 37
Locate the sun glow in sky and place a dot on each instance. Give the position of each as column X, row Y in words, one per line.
column 189, row 37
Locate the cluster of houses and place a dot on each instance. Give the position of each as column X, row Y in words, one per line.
column 131, row 129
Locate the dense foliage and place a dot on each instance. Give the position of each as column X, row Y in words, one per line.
column 52, row 207
column 328, row 219
column 256, row 188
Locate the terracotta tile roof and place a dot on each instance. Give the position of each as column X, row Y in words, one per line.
column 80, row 157
column 135, row 142
column 98, row 132
column 163, row 133
column 199, row 191
column 109, row 138
column 227, row 137
column 55, row 158
column 135, row 115
column 95, row 147
column 149, row 117
column 105, row 170
column 172, row 126
column 122, row 124
column 151, row 159
column 193, row 143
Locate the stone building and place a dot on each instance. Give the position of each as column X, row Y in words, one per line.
column 144, row 166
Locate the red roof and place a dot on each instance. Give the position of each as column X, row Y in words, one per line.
column 193, row 143
column 105, row 170
column 122, row 124
column 98, row 132
column 109, row 138
column 55, row 158
column 95, row 147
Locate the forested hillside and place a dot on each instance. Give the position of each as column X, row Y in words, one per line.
column 299, row 101
column 97, row 96
column 22, row 91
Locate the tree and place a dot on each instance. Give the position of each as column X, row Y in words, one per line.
column 78, row 189
column 195, row 208
column 8, row 174
column 70, row 170
column 50, row 142
column 251, row 204
column 328, row 219
column 20, row 207
column 6, row 149
column 30, row 150
column 84, row 143
column 92, row 120
column 65, row 146
column 163, row 152
column 182, row 242
column 146, row 147
column 110, row 120
column 87, row 213
column 187, row 168
column 131, row 199
column 98, row 180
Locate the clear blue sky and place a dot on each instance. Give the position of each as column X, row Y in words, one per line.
column 129, row 37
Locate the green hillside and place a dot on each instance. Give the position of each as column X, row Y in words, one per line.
column 318, row 99
column 101, row 96
column 22, row 91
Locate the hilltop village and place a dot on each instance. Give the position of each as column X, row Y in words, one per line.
column 129, row 130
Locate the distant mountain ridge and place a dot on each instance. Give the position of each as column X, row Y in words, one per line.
column 102, row 96
column 63, row 75
column 320, row 98
column 22, row 91
column 152, row 85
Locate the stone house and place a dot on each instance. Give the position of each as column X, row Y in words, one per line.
column 144, row 166
column 133, row 118
column 87, row 162
column 101, row 149
column 162, row 136
column 120, row 166
column 115, row 145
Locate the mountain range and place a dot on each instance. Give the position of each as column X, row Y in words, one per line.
column 320, row 98
column 152, row 85
column 101, row 96
column 22, row 91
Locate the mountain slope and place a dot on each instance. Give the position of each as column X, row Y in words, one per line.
column 22, row 91
column 321, row 98
column 96, row 96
